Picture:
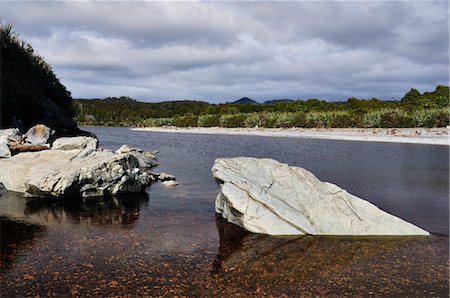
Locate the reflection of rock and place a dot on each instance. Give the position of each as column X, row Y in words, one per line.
column 265, row 196
column 307, row 256
column 15, row 237
column 122, row 210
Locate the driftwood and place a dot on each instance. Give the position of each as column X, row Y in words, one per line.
column 27, row 147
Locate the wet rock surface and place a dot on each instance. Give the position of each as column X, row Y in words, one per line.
column 268, row 197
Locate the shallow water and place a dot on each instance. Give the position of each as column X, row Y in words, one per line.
column 169, row 241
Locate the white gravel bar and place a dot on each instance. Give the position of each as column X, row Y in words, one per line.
column 430, row 136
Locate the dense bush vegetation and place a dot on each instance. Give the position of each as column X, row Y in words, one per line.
column 30, row 91
column 414, row 110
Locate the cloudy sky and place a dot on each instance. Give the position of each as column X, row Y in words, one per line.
column 222, row 51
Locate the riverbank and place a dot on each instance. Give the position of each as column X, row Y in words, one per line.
column 430, row 136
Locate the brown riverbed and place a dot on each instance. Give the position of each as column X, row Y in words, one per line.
column 120, row 247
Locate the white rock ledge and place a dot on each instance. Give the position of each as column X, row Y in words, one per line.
column 268, row 197
column 73, row 167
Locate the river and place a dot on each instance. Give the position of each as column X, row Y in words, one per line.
column 169, row 241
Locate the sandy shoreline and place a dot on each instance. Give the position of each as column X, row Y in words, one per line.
column 431, row 136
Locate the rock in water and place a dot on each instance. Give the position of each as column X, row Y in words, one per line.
column 268, row 197
column 146, row 159
column 79, row 172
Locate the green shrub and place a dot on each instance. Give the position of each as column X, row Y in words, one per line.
column 395, row 118
column 157, row 122
column 232, row 120
column 291, row 120
column 343, row 119
column 319, row 119
column 431, row 118
column 442, row 118
column 387, row 118
column 185, row 121
column 371, row 119
column 424, row 118
column 252, row 120
column 208, row 120
column 269, row 119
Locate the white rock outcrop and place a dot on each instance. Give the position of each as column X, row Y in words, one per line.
column 4, row 148
column 268, row 197
column 8, row 136
column 146, row 159
column 83, row 171
column 75, row 143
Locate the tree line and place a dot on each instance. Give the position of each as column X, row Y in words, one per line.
column 430, row 109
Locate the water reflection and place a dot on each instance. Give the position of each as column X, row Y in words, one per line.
column 109, row 212
column 301, row 257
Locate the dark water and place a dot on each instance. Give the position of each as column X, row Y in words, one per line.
column 169, row 242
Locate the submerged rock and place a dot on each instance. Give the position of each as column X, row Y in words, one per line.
column 268, row 197
column 81, row 171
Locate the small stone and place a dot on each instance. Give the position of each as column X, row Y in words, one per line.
column 169, row 183
column 38, row 135
column 4, row 149
column 165, row 177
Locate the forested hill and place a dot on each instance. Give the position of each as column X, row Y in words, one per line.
column 126, row 111
column 415, row 109
column 30, row 91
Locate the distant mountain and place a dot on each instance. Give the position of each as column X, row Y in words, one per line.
column 274, row 101
column 246, row 100
column 120, row 99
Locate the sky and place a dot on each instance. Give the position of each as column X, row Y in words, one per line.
column 224, row 50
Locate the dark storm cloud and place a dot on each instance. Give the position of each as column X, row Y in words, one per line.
column 221, row 51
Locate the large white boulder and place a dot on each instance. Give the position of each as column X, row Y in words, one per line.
column 268, row 197
column 82, row 172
